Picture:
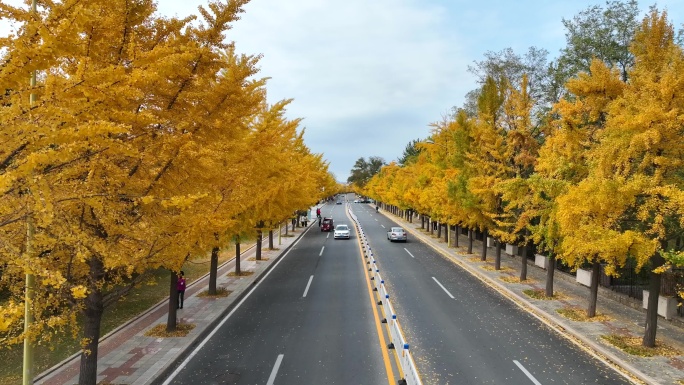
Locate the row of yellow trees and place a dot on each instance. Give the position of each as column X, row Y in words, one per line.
column 143, row 142
column 596, row 180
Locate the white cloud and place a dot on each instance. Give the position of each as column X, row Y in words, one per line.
column 351, row 57
column 355, row 69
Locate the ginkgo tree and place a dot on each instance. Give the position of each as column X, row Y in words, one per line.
column 595, row 182
column 112, row 166
column 487, row 163
column 522, row 144
column 630, row 205
column 564, row 157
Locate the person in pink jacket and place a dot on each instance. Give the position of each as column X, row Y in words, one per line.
column 180, row 286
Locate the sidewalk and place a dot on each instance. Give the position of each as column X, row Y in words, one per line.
column 623, row 320
column 127, row 356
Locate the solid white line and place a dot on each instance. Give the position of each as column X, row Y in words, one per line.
column 307, row 286
column 275, row 369
column 322, row 248
column 528, row 374
column 443, row 288
column 410, row 253
column 204, row 342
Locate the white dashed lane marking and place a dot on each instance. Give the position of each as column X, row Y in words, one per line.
column 307, row 286
column 528, row 374
column 443, row 288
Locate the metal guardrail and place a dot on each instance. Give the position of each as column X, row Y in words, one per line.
column 397, row 340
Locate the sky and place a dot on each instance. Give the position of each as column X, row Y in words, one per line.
column 370, row 76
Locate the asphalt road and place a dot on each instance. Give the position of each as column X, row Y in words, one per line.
column 310, row 321
column 463, row 332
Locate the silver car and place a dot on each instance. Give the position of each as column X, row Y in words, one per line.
column 342, row 231
column 396, row 234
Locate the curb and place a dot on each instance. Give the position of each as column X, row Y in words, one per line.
column 620, row 366
column 46, row 373
column 163, row 374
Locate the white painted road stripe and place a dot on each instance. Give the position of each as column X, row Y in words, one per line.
column 322, row 248
column 411, row 255
column 307, row 286
column 443, row 288
column 383, row 226
column 274, row 372
column 528, row 374
column 225, row 319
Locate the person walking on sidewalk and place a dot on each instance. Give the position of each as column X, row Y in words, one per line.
column 180, row 286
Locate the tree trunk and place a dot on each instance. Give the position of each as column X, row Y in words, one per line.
column 319, row 224
column 258, row 245
column 270, row 239
column 470, row 241
column 173, row 302
column 456, row 234
column 92, row 312
column 550, row 269
column 422, row 222
column 446, row 234
column 497, row 260
column 213, row 270
column 237, row 257
column 484, row 245
column 649, row 339
column 432, row 226
column 439, row 230
column 593, row 290
column 523, row 267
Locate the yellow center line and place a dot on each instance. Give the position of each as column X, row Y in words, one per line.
column 378, row 324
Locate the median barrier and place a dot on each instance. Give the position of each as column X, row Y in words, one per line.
column 397, row 341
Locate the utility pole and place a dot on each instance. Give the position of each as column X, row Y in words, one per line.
column 28, row 312
column 27, row 373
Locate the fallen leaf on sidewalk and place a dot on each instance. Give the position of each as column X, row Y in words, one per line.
column 182, row 330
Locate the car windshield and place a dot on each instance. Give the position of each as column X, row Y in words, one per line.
column 397, row 230
column 341, row 227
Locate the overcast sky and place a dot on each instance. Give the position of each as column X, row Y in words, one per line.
column 369, row 76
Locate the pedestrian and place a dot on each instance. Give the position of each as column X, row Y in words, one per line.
column 304, row 220
column 180, row 286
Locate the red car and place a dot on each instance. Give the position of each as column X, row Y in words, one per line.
column 327, row 224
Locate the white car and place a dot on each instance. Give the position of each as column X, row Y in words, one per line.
column 396, row 234
column 342, row 231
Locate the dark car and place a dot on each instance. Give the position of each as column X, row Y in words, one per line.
column 327, row 224
column 339, row 202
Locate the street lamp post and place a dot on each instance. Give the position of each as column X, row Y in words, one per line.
column 27, row 365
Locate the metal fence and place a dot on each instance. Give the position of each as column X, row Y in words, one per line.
column 632, row 283
column 629, row 281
